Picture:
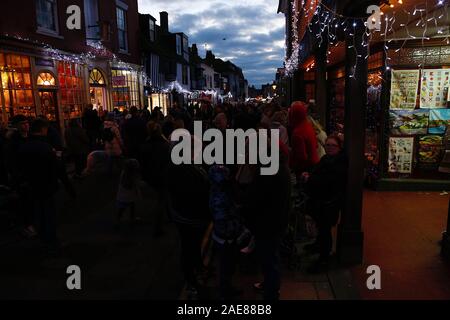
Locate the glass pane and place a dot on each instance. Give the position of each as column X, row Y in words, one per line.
column 21, row 97
column 67, row 69
column 13, row 61
column 25, row 62
column 7, row 99
column 64, row 96
column 29, row 97
column 27, row 80
column 60, row 68
column 18, row 80
column 4, row 79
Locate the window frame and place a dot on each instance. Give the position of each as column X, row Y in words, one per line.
column 45, row 30
column 120, row 31
column 178, row 45
column 151, row 28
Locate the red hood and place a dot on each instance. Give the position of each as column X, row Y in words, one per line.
column 297, row 113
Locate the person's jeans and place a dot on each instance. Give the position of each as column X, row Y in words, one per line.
column 324, row 238
column 228, row 258
column 268, row 253
column 80, row 163
column 191, row 259
column 45, row 216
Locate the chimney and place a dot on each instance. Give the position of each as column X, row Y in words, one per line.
column 164, row 21
column 194, row 49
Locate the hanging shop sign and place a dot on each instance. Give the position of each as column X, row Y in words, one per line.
column 434, row 91
column 406, row 122
column 404, row 86
column 400, row 154
column 439, row 121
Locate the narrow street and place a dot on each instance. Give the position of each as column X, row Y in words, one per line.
column 124, row 264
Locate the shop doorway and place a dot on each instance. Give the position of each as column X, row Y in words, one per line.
column 49, row 106
column 97, row 90
column 98, row 98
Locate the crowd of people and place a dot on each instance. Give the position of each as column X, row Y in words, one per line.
column 246, row 209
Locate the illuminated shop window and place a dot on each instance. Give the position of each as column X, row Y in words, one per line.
column 96, row 77
column 16, row 89
column 72, row 89
column 45, row 79
column 125, row 89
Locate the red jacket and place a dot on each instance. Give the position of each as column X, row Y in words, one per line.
column 303, row 141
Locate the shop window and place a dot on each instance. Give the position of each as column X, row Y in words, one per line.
column 16, row 87
column 122, row 29
column 46, row 79
column 96, row 78
column 72, row 89
column 125, row 89
column 47, row 16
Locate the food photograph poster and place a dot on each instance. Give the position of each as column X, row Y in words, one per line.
column 400, row 154
column 404, row 86
column 434, row 92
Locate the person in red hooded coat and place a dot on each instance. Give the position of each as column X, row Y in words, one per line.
column 303, row 139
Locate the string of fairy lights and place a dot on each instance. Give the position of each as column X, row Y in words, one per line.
column 96, row 50
column 327, row 23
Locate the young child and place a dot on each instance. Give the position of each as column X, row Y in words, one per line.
column 128, row 192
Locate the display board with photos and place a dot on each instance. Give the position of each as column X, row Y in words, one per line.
column 419, row 118
column 401, row 154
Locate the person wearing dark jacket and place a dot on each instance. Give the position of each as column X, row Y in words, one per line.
column 38, row 161
column 134, row 133
column 78, row 144
column 14, row 141
column 266, row 209
column 92, row 124
column 154, row 158
column 188, row 192
column 325, row 186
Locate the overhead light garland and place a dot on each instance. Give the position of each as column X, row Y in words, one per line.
column 96, row 50
column 328, row 23
column 291, row 62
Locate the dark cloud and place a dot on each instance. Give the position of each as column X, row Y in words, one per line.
column 253, row 34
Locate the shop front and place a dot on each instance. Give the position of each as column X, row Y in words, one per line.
column 127, row 88
column 416, row 109
column 98, row 92
column 161, row 100
column 16, row 87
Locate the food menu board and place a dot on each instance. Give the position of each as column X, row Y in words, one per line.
column 400, row 154
column 434, row 92
column 404, row 86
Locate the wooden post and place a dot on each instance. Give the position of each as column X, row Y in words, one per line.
column 350, row 235
column 321, row 96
